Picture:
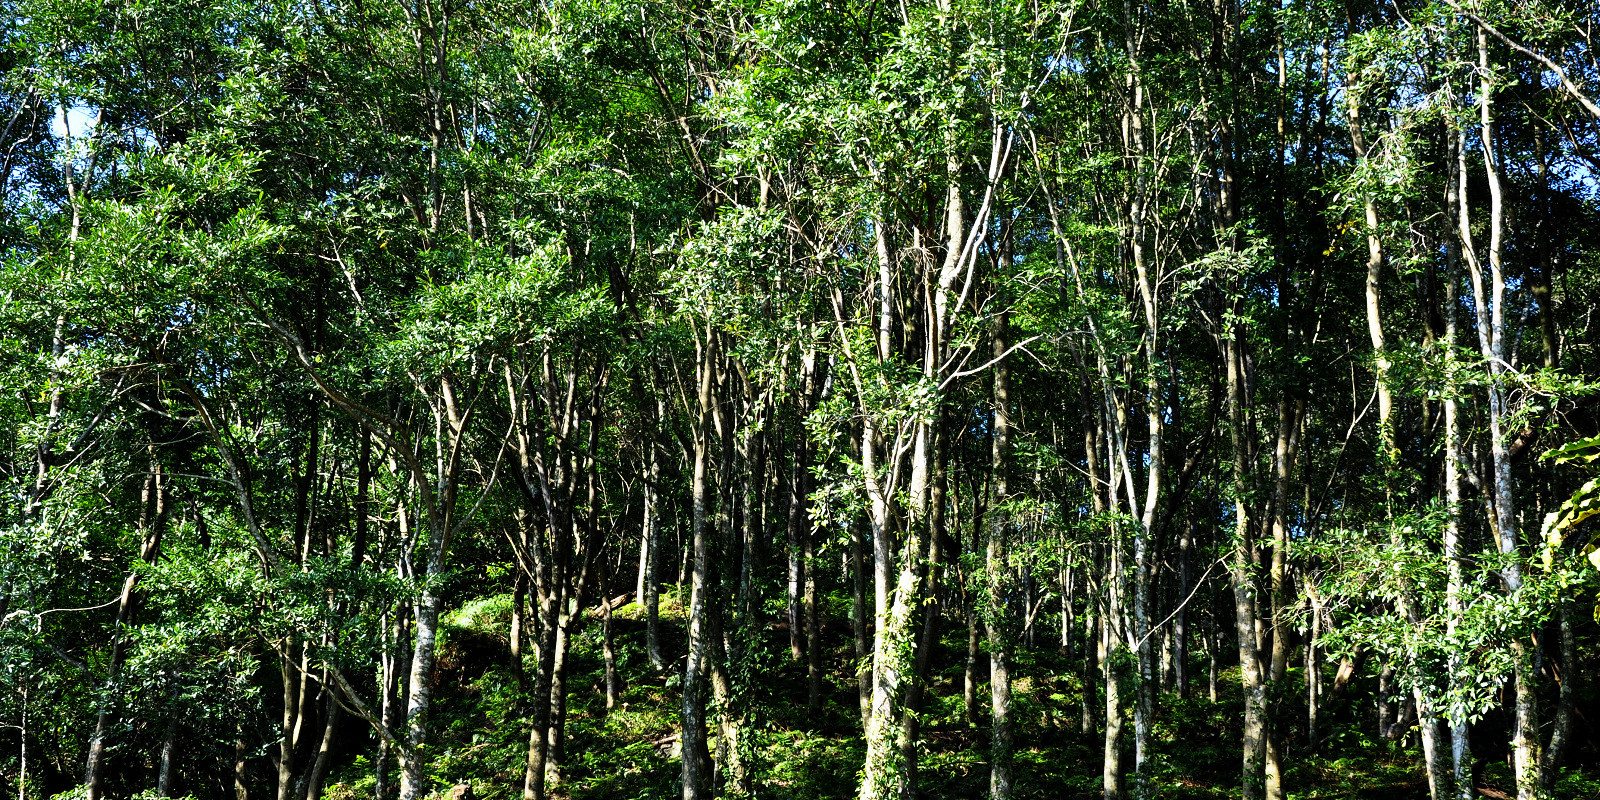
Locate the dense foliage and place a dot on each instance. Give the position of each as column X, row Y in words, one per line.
column 799, row 398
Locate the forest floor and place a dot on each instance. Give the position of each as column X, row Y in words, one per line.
column 797, row 753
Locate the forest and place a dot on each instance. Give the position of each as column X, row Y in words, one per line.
column 878, row 399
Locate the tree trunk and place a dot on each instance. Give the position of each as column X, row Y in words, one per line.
column 1460, row 740
column 858, row 619
column 969, row 673
column 1550, row 766
column 696, row 757
column 533, row 776
column 609, row 655
column 1111, row 668
column 519, row 604
column 239, row 790
column 419, row 694
column 1283, row 465
column 1313, row 672
column 813, row 628
column 997, row 568
column 554, row 737
column 324, row 760
column 152, row 524
column 1086, row 716
column 1067, row 577
column 169, row 749
column 93, row 772
column 1180, row 619
column 1491, row 342
column 1432, row 752
column 651, row 597
column 797, row 564
column 288, row 721
column 1244, row 592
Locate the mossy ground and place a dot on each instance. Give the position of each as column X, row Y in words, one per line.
column 802, row 754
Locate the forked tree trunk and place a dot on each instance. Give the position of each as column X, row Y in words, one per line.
column 1489, row 304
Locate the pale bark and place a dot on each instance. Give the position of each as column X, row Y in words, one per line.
column 436, row 486
column 239, row 790
column 1111, row 674
column 651, row 583
column 519, row 604
column 1313, row 656
column 169, row 748
column 997, row 569
column 1460, row 740
column 813, row 628
column 797, row 564
column 1250, row 666
column 858, row 619
column 1490, row 312
column 1180, row 619
column 970, row 676
column 1283, row 459
column 286, row 725
column 696, row 757
column 608, row 652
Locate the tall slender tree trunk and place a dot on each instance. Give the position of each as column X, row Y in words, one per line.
column 1313, row 669
column 1112, row 667
column 608, row 652
column 1278, row 577
column 169, row 752
column 1251, row 670
column 240, row 792
column 651, row 584
column 419, row 694
column 1460, row 740
column 696, row 757
column 971, row 669
column 1119, row 659
column 1566, row 698
column 324, row 760
column 797, row 563
column 93, row 773
column 519, row 616
column 152, row 524
column 1490, row 313
column 1180, row 618
column 997, row 568
column 813, row 628
column 858, row 618
column 287, row 722
column 1067, row 577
